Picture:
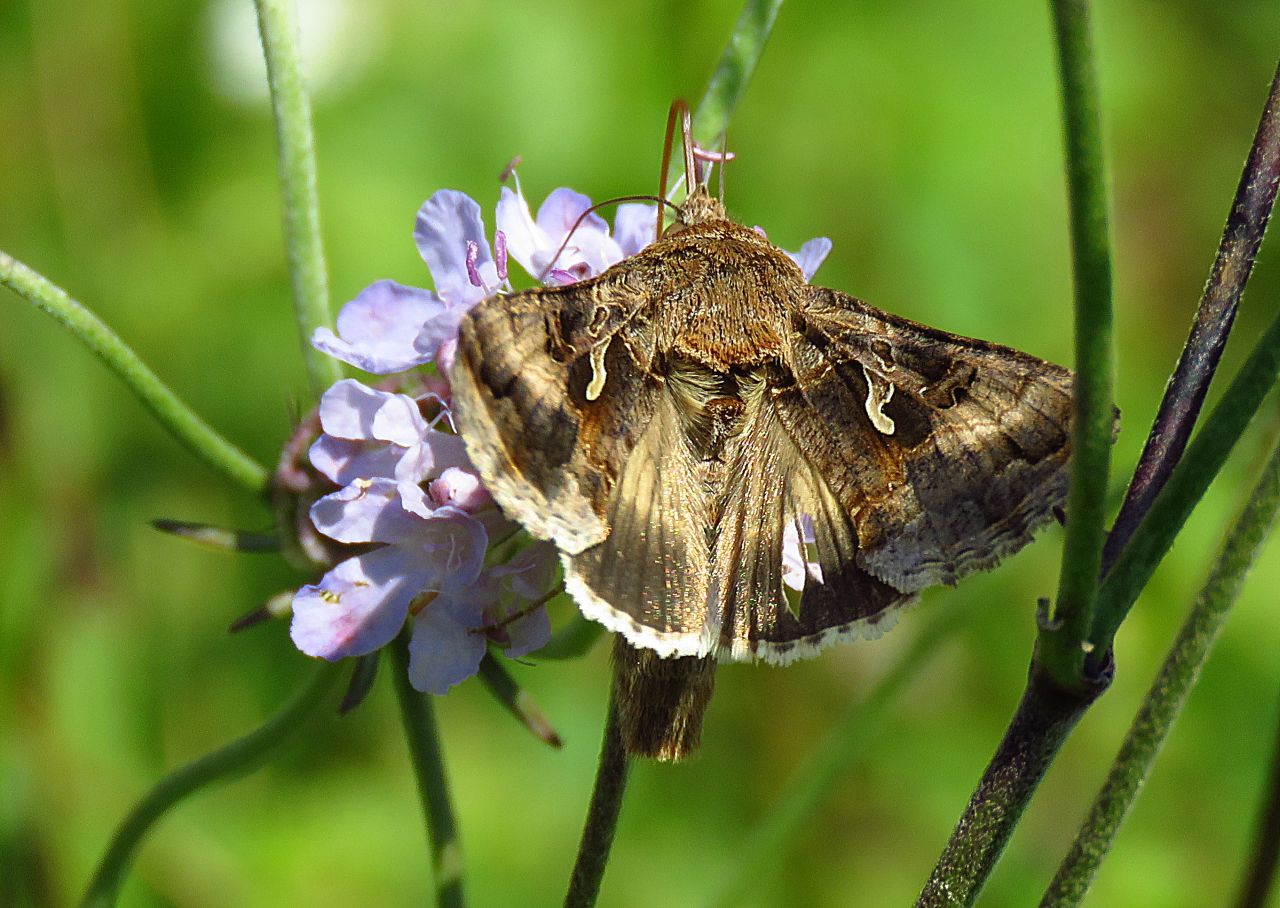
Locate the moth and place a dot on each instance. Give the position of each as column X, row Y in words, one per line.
column 668, row 423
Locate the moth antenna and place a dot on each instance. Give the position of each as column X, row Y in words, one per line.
column 676, row 107
column 582, row 217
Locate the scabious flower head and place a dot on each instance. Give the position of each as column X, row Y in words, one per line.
column 428, row 543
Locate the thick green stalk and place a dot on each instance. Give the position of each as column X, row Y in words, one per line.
column 420, row 732
column 1060, row 646
column 737, row 62
column 1168, row 693
column 278, row 27
column 241, row 756
column 192, row 431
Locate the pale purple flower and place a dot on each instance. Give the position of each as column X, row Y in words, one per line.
column 361, row 604
column 536, row 243
column 460, row 488
column 389, row 327
column 634, row 226
column 811, row 256
column 451, row 633
column 370, row 433
column 378, row 331
column 796, row 567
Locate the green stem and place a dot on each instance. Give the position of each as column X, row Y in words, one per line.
column 1168, row 692
column 602, row 815
column 1093, row 417
column 1045, row 716
column 241, row 756
column 433, row 785
column 737, row 62
column 1184, row 395
column 1199, row 465
column 826, row 767
column 278, row 27
column 193, row 432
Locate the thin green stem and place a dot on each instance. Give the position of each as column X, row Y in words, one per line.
column 1184, row 395
column 517, row 701
column 420, row 732
column 737, row 62
column 1168, row 693
column 188, row 428
column 1045, row 716
column 602, row 815
column 238, row 758
column 1199, row 465
column 826, row 767
column 278, row 27
column 1060, row 647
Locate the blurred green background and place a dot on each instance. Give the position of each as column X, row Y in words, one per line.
column 137, row 169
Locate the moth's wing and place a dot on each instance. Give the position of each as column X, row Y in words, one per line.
column 610, row 477
column 648, row 579
column 947, row 452
column 525, row 364
column 770, row 481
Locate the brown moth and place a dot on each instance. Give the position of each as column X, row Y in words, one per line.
column 667, row 422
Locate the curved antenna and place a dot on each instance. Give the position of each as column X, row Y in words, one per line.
column 677, row 106
column 582, row 217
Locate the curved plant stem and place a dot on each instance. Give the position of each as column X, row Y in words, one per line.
column 737, row 62
column 1261, row 874
column 188, row 428
column 433, row 784
column 1093, row 418
column 1044, row 718
column 1168, row 693
column 278, row 27
column 602, row 816
column 241, row 756
column 517, row 701
column 824, row 769
column 1199, row 465
column 1184, row 396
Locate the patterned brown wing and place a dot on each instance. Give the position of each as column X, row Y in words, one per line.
column 772, row 482
column 946, row 452
column 527, row 385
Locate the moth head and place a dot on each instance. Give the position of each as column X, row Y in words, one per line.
column 698, row 207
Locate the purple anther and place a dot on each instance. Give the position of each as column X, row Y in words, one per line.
column 500, row 254
column 473, row 255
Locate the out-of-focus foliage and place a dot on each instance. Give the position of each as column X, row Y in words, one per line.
column 137, row 169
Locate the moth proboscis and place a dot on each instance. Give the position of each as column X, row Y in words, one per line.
column 671, row 421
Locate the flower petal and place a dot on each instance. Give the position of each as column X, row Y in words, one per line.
column 460, row 488
column 377, row 329
column 446, row 223
column 345, row 460
column 811, row 256
column 524, row 237
column 634, row 226
column 443, row 651
column 356, row 608
column 367, row 510
column 528, row 633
